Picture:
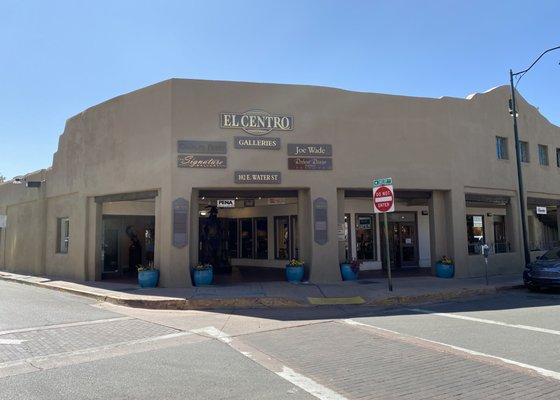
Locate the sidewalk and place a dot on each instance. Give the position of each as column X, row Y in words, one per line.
column 372, row 292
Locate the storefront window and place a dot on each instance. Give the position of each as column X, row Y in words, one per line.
column 282, row 238
column 63, row 235
column 232, row 238
column 261, row 230
column 501, row 244
column 246, row 233
column 475, row 233
column 366, row 248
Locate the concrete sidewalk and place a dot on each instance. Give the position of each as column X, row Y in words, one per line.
column 372, row 292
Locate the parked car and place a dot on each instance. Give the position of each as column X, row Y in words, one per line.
column 544, row 272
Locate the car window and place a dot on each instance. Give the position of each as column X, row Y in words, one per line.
column 553, row 254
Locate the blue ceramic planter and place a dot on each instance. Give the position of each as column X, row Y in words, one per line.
column 294, row 274
column 445, row 270
column 204, row 277
column 148, row 278
column 347, row 273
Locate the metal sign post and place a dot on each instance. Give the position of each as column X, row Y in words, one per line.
column 384, row 202
column 486, row 253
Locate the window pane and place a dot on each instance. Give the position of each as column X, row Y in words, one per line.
column 63, row 235
column 524, row 151
column 501, row 244
column 475, row 233
column 558, row 157
column 261, row 230
column 282, row 237
column 365, row 237
column 501, row 148
column 543, row 154
column 232, row 238
column 246, row 234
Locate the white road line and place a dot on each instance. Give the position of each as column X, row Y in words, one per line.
column 486, row 321
column 303, row 382
column 92, row 350
column 309, row 385
column 541, row 371
column 70, row 324
column 11, row 341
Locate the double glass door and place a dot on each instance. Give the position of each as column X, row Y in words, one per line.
column 403, row 239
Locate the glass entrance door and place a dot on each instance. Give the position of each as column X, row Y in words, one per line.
column 403, row 240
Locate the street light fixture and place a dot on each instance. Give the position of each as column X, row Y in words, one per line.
column 513, row 112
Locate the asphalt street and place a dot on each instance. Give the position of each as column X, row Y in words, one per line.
column 60, row 346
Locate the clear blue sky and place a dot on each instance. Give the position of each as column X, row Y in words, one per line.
column 60, row 57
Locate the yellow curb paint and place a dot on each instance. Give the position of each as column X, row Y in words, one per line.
column 329, row 301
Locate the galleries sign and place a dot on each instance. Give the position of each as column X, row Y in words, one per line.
column 256, row 122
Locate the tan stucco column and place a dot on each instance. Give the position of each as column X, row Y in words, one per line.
column 174, row 261
column 94, row 239
column 325, row 267
column 304, row 228
column 438, row 226
column 340, row 224
column 513, row 228
column 457, row 230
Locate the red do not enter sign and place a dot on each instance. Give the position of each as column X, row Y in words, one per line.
column 383, row 199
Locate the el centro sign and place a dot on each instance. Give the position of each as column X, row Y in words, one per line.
column 256, row 122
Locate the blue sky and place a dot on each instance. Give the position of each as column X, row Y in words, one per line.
column 60, row 57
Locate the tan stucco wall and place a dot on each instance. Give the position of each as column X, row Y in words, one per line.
column 129, row 144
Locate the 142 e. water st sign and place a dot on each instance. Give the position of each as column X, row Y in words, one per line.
column 260, row 177
column 256, row 122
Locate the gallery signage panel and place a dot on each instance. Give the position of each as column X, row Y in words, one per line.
column 310, row 163
column 180, row 222
column 258, row 177
column 309, row 150
column 201, row 147
column 244, row 142
column 320, row 221
column 193, row 161
column 256, row 122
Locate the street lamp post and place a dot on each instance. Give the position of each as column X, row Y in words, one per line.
column 513, row 111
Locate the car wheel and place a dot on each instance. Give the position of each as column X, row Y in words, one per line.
column 532, row 287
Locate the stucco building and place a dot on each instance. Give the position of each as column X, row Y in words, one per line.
column 249, row 175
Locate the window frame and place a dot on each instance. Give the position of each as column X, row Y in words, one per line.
column 502, row 152
column 524, row 155
column 542, row 150
column 476, row 247
column 62, row 241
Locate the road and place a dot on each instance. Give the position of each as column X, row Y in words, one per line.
column 59, row 346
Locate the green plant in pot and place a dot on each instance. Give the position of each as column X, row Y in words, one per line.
column 350, row 269
column 445, row 267
column 203, row 274
column 148, row 275
column 295, row 270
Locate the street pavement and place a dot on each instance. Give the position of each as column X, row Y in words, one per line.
column 60, row 346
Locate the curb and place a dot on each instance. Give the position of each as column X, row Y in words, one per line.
column 261, row 302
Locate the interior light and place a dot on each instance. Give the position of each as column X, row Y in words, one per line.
column 203, row 213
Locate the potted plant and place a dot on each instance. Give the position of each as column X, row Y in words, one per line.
column 148, row 275
column 350, row 269
column 203, row 274
column 445, row 267
column 294, row 270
